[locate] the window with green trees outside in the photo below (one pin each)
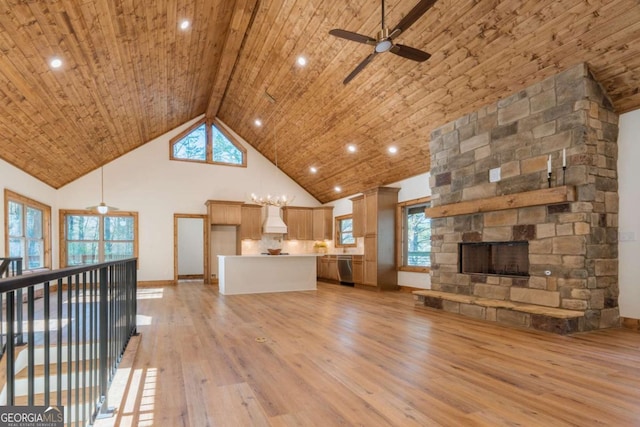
(207, 142)
(91, 238)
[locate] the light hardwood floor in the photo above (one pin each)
(343, 356)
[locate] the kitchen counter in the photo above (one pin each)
(272, 256)
(253, 274)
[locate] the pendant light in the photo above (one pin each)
(102, 208)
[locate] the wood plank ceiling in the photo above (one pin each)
(130, 75)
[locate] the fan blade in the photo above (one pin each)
(355, 37)
(410, 52)
(359, 68)
(411, 17)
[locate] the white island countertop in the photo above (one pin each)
(271, 256)
(253, 274)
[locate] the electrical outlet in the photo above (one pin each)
(494, 175)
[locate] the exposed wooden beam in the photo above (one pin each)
(242, 16)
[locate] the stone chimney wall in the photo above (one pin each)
(573, 245)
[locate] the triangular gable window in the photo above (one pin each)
(224, 150)
(192, 146)
(207, 143)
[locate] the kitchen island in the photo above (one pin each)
(255, 274)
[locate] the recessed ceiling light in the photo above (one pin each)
(302, 61)
(393, 149)
(257, 122)
(56, 63)
(337, 189)
(313, 169)
(351, 148)
(184, 24)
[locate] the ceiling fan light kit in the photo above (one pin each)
(385, 39)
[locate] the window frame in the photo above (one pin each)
(63, 230)
(11, 196)
(209, 143)
(338, 232)
(401, 234)
(184, 134)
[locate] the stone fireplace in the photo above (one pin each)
(568, 225)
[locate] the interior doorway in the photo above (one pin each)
(190, 254)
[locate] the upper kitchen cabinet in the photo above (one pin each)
(323, 223)
(251, 222)
(224, 212)
(358, 215)
(299, 222)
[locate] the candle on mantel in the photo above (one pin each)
(549, 164)
(564, 157)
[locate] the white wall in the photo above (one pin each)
(411, 188)
(147, 182)
(629, 220)
(19, 182)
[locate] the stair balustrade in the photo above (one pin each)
(9, 267)
(78, 322)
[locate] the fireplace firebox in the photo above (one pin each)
(497, 258)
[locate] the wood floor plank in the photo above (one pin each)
(344, 356)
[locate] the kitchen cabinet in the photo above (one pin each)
(379, 239)
(371, 213)
(251, 222)
(328, 267)
(299, 222)
(323, 223)
(358, 215)
(321, 268)
(357, 265)
(224, 212)
(370, 260)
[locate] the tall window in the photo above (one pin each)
(27, 231)
(415, 243)
(89, 238)
(344, 231)
(208, 143)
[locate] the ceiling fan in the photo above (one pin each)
(384, 40)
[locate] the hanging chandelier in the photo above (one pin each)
(269, 200)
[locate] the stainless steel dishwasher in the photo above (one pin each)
(345, 269)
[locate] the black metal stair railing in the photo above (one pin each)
(78, 323)
(9, 267)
